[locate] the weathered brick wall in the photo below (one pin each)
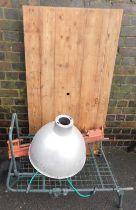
(121, 118)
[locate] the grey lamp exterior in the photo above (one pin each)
(103, 181)
(58, 149)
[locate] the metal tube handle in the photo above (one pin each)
(14, 122)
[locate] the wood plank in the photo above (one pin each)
(68, 61)
(32, 58)
(115, 19)
(94, 44)
(70, 56)
(47, 63)
(98, 52)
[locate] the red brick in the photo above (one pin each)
(130, 41)
(130, 124)
(130, 117)
(127, 51)
(120, 117)
(129, 110)
(132, 104)
(1, 35)
(126, 20)
(18, 66)
(11, 36)
(110, 117)
(22, 76)
(123, 136)
(8, 84)
(131, 61)
(127, 7)
(2, 75)
(3, 130)
(5, 123)
(126, 130)
(7, 101)
(19, 109)
(125, 70)
(20, 85)
(34, 2)
(5, 46)
(8, 93)
(133, 20)
(2, 56)
(117, 130)
(24, 130)
(20, 101)
(128, 31)
(11, 25)
(12, 75)
(1, 115)
(121, 42)
(107, 130)
(133, 131)
(18, 47)
(5, 3)
(5, 66)
(22, 116)
(23, 123)
(19, 3)
(11, 13)
(122, 103)
(13, 57)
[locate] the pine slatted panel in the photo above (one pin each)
(33, 65)
(70, 55)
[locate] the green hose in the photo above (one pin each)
(31, 180)
(69, 182)
(77, 192)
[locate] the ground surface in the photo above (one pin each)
(124, 167)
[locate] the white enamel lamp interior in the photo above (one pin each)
(58, 149)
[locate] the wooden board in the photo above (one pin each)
(70, 55)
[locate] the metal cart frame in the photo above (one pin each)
(96, 176)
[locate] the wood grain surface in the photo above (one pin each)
(70, 55)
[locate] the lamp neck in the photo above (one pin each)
(63, 125)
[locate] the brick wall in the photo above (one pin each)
(121, 118)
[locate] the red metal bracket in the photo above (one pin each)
(94, 135)
(18, 148)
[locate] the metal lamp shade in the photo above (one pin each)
(58, 149)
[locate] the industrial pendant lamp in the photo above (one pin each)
(58, 149)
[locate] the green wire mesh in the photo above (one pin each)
(95, 174)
